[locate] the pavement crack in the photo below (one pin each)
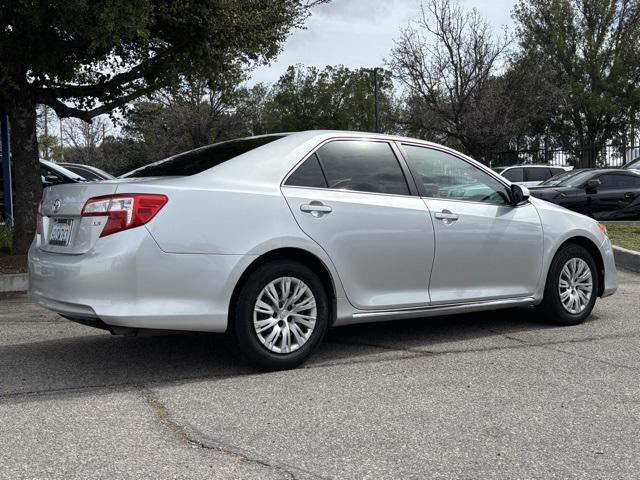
(186, 435)
(552, 346)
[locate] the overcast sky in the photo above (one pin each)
(360, 33)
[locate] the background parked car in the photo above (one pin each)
(51, 174)
(55, 174)
(530, 175)
(598, 193)
(88, 172)
(634, 165)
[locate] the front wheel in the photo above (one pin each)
(572, 287)
(281, 315)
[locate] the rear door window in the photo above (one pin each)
(537, 174)
(362, 166)
(309, 174)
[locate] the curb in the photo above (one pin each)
(627, 259)
(18, 282)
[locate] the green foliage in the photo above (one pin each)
(332, 98)
(589, 49)
(625, 235)
(101, 55)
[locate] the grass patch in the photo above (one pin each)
(625, 235)
(6, 238)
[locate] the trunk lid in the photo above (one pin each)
(64, 230)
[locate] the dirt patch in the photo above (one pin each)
(13, 264)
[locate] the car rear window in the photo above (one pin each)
(201, 159)
(537, 174)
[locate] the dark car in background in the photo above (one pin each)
(603, 194)
(633, 165)
(89, 173)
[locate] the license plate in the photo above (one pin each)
(60, 232)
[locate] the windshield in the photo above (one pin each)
(558, 179)
(498, 170)
(635, 165)
(201, 159)
(578, 178)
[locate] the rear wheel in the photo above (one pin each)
(281, 315)
(572, 286)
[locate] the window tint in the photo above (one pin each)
(309, 174)
(445, 176)
(201, 159)
(514, 175)
(537, 174)
(556, 170)
(84, 173)
(362, 166)
(612, 181)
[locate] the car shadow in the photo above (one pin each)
(94, 361)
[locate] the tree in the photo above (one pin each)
(332, 98)
(84, 137)
(448, 61)
(590, 52)
(85, 58)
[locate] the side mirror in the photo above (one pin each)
(592, 185)
(519, 194)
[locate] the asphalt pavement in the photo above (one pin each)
(478, 396)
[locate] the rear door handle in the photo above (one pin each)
(315, 208)
(629, 195)
(446, 215)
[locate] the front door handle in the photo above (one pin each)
(629, 195)
(446, 216)
(315, 208)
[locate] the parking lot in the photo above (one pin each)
(492, 395)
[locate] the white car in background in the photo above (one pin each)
(530, 175)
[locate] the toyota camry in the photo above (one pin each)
(274, 239)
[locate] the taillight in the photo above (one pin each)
(39, 219)
(124, 211)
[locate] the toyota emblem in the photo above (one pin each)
(56, 205)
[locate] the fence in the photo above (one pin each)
(611, 156)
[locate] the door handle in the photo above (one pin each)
(629, 195)
(315, 208)
(446, 215)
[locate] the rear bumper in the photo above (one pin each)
(125, 280)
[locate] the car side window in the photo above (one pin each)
(309, 174)
(613, 182)
(49, 177)
(536, 174)
(556, 171)
(442, 175)
(362, 166)
(514, 174)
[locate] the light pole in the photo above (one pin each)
(376, 95)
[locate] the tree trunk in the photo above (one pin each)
(26, 168)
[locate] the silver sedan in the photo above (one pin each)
(274, 239)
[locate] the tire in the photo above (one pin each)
(261, 349)
(552, 307)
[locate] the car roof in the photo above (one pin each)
(268, 164)
(61, 170)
